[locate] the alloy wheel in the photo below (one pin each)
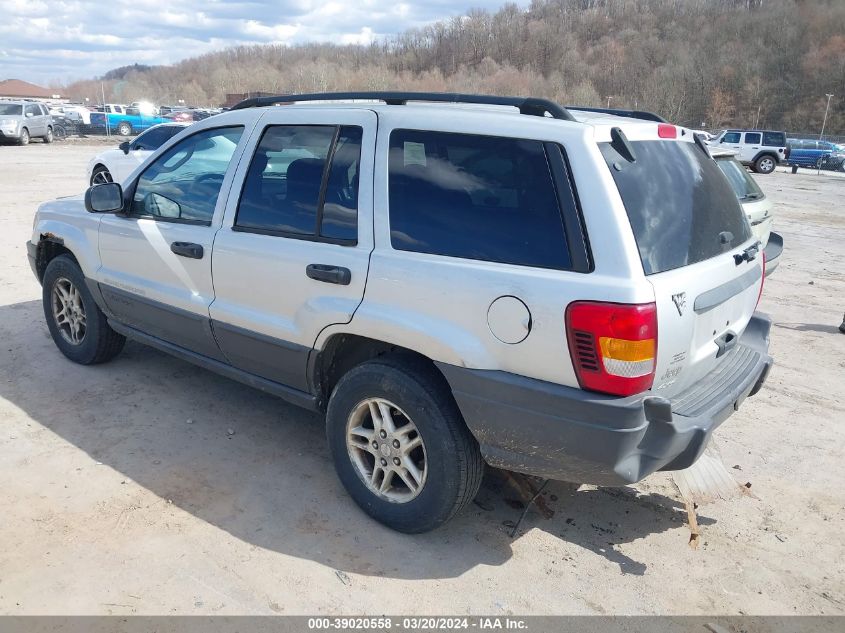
(387, 450)
(69, 311)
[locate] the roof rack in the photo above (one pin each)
(630, 114)
(527, 105)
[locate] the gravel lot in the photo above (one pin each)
(112, 503)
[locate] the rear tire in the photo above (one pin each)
(48, 137)
(124, 129)
(765, 164)
(447, 467)
(79, 328)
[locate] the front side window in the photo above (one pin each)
(475, 197)
(731, 137)
(33, 110)
(183, 183)
(303, 182)
(752, 138)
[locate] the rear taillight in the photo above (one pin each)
(665, 130)
(613, 345)
(762, 281)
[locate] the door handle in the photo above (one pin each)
(725, 343)
(330, 274)
(187, 249)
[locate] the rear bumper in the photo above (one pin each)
(568, 434)
(773, 251)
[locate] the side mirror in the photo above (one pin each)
(105, 198)
(124, 146)
(29, 115)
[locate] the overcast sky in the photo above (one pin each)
(46, 40)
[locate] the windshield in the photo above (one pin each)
(10, 109)
(745, 187)
(681, 208)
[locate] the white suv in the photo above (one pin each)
(564, 293)
(762, 150)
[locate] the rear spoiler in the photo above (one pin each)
(629, 114)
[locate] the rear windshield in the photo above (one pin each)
(10, 109)
(745, 187)
(681, 207)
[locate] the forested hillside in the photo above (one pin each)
(705, 63)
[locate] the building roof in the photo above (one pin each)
(18, 88)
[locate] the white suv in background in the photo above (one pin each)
(560, 292)
(762, 150)
(115, 165)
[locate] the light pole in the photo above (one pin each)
(608, 102)
(824, 121)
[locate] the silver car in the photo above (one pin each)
(21, 121)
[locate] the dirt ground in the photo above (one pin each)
(111, 502)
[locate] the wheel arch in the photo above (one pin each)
(53, 238)
(341, 352)
(48, 248)
(764, 152)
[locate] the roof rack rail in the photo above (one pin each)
(527, 105)
(630, 114)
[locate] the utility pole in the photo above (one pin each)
(608, 102)
(824, 121)
(757, 120)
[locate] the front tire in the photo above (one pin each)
(79, 328)
(100, 176)
(400, 445)
(23, 139)
(765, 164)
(124, 129)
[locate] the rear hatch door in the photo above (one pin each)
(697, 250)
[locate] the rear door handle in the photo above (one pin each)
(330, 274)
(187, 249)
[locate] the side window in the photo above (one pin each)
(155, 137)
(731, 137)
(752, 138)
(184, 182)
(303, 182)
(774, 139)
(475, 197)
(340, 207)
(33, 110)
(44, 110)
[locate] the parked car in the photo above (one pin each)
(762, 150)
(78, 114)
(115, 165)
(21, 121)
(564, 293)
(816, 154)
(759, 209)
(122, 120)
